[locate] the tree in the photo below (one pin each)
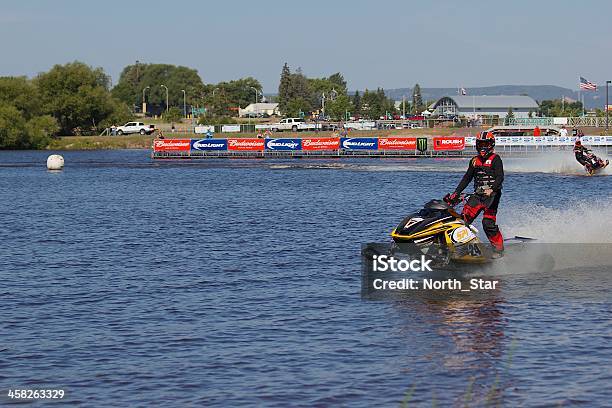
(296, 106)
(308, 91)
(300, 88)
(376, 104)
(12, 127)
(40, 129)
(338, 80)
(284, 88)
(130, 87)
(174, 114)
(22, 94)
(294, 92)
(357, 103)
(18, 133)
(509, 116)
(337, 108)
(224, 98)
(77, 96)
(560, 107)
(417, 99)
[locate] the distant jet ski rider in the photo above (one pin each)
(487, 171)
(581, 153)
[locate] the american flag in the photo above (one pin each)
(584, 84)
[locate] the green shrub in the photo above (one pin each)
(12, 127)
(17, 133)
(173, 114)
(40, 131)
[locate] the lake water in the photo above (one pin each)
(237, 282)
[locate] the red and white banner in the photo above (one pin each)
(448, 143)
(171, 145)
(245, 144)
(397, 143)
(321, 143)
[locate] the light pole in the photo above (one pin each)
(323, 104)
(607, 106)
(256, 92)
(213, 99)
(184, 103)
(166, 88)
(144, 103)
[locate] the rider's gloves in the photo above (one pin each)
(451, 198)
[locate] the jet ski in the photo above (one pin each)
(594, 164)
(439, 231)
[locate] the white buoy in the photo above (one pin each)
(55, 162)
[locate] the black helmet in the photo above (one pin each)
(485, 142)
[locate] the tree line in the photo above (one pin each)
(74, 99)
(68, 99)
(328, 97)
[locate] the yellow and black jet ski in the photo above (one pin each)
(439, 231)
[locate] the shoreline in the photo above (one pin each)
(146, 142)
(69, 143)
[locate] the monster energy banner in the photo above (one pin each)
(422, 144)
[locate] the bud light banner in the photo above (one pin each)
(321, 143)
(171, 145)
(245, 145)
(441, 143)
(283, 144)
(208, 144)
(397, 143)
(359, 143)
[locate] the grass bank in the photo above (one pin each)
(100, 142)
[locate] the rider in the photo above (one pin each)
(487, 170)
(581, 152)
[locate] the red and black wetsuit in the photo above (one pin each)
(581, 155)
(488, 173)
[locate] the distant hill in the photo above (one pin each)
(538, 92)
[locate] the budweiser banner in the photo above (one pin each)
(397, 143)
(321, 143)
(171, 145)
(245, 144)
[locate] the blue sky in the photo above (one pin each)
(391, 44)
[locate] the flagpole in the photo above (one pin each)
(580, 94)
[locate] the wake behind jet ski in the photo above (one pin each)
(592, 164)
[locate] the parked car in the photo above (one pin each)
(293, 124)
(135, 127)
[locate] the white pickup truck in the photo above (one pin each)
(135, 127)
(293, 124)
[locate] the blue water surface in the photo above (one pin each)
(128, 282)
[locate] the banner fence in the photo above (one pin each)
(391, 144)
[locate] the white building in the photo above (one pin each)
(258, 109)
(477, 105)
